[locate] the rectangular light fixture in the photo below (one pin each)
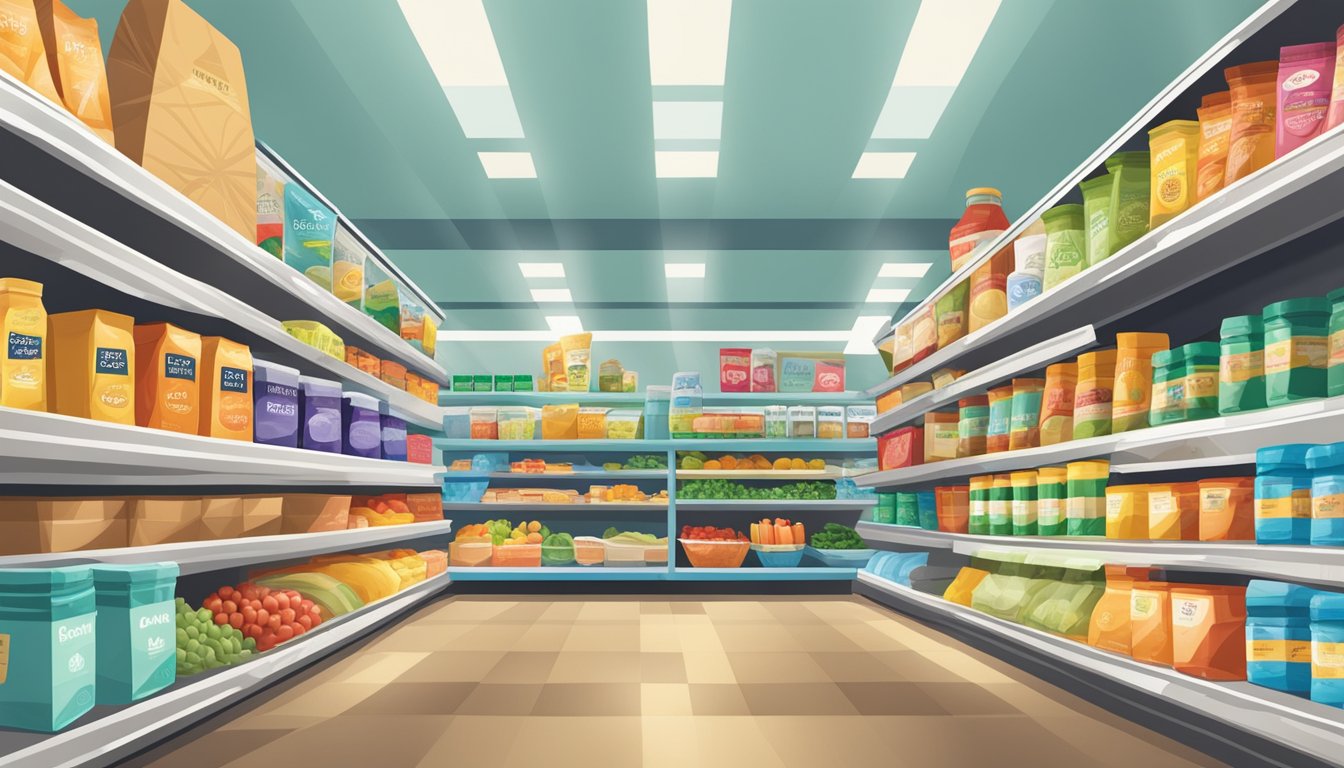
(541, 269)
(883, 165)
(670, 164)
(688, 41)
(563, 324)
(552, 296)
(887, 295)
(903, 269)
(687, 119)
(653, 336)
(684, 270)
(508, 165)
(861, 335)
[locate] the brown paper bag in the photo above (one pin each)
(179, 103)
(22, 53)
(75, 56)
(315, 512)
(262, 515)
(222, 517)
(164, 520)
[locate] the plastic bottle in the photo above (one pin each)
(1241, 364)
(1283, 495)
(982, 221)
(1093, 395)
(1134, 379)
(1335, 372)
(1024, 282)
(1296, 352)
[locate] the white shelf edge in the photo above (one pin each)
(782, 504)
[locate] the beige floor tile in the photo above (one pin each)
(376, 666)
(500, 699)
(699, 639)
(392, 741)
(757, 638)
(575, 742)
(453, 667)
(609, 612)
(862, 634)
(768, 667)
(543, 637)
(1111, 747)
(706, 741)
(476, 611)
(717, 699)
(831, 741)
(818, 638)
(421, 637)
(596, 667)
(326, 701)
(603, 637)
(489, 637)
(468, 740)
(968, 667)
(659, 637)
(855, 668)
(708, 667)
(665, 699)
(218, 748)
(522, 667)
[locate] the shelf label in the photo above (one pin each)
(111, 360)
(232, 379)
(1293, 651)
(179, 367)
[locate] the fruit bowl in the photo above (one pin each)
(841, 558)
(710, 553)
(778, 555)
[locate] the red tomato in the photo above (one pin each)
(287, 615)
(306, 621)
(274, 622)
(249, 615)
(236, 620)
(221, 619)
(270, 603)
(284, 632)
(263, 617)
(225, 592)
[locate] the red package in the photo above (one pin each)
(419, 449)
(734, 370)
(830, 377)
(902, 448)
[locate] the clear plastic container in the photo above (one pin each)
(516, 424)
(625, 424)
(778, 555)
(629, 555)
(777, 421)
(516, 556)
(589, 550)
(722, 424)
(657, 401)
(715, 554)
(802, 421)
(831, 422)
(484, 424)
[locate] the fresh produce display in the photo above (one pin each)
(778, 531)
(376, 511)
(499, 530)
(837, 536)
(475, 531)
(631, 537)
(645, 461)
(332, 597)
(204, 644)
(709, 547)
(524, 533)
(694, 460)
(269, 617)
(719, 488)
(596, 494)
(711, 533)
(557, 549)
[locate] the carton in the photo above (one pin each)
(167, 389)
(136, 629)
(734, 370)
(221, 517)
(313, 513)
(226, 391)
(23, 332)
(165, 520)
(47, 679)
(92, 365)
(263, 515)
(36, 525)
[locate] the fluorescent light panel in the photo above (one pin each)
(903, 269)
(883, 165)
(687, 119)
(668, 164)
(564, 324)
(861, 335)
(508, 165)
(688, 41)
(552, 295)
(684, 270)
(541, 269)
(658, 336)
(887, 295)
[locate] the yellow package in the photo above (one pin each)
(553, 369)
(226, 390)
(92, 360)
(959, 591)
(23, 324)
(167, 385)
(347, 265)
(22, 53)
(1127, 512)
(316, 335)
(560, 422)
(431, 336)
(592, 423)
(75, 56)
(1174, 148)
(578, 352)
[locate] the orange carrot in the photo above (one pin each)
(799, 536)
(784, 534)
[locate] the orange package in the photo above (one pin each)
(1109, 628)
(959, 591)
(393, 373)
(226, 396)
(1227, 509)
(1173, 512)
(1215, 126)
(1209, 631)
(1251, 140)
(22, 53)
(75, 56)
(92, 365)
(1150, 622)
(167, 388)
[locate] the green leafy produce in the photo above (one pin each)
(837, 536)
(720, 488)
(691, 462)
(612, 466)
(499, 530)
(633, 537)
(557, 549)
(607, 534)
(202, 644)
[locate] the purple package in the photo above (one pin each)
(275, 401)
(394, 435)
(362, 431)
(320, 409)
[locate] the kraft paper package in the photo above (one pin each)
(32, 525)
(22, 53)
(75, 58)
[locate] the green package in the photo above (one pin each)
(1001, 507)
(1065, 244)
(48, 617)
(462, 382)
(907, 509)
(1065, 608)
(137, 646)
(1097, 217)
(949, 313)
(503, 383)
(483, 382)
(1241, 357)
(885, 511)
(522, 382)
(1128, 219)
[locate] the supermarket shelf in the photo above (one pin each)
(545, 477)
(47, 233)
(650, 573)
(1317, 565)
(799, 505)
(1246, 724)
(1031, 359)
(829, 473)
(450, 506)
(636, 399)
(205, 556)
(1224, 441)
(51, 449)
(49, 143)
(764, 574)
(759, 445)
(111, 734)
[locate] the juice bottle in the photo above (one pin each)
(167, 391)
(23, 321)
(982, 221)
(226, 397)
(92, 360)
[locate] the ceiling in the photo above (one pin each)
(343, 90)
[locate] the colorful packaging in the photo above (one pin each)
(734, 370)
(577, 348)
(361, 428)
(1283, 495)
(167, 390)
(1024, 502)
(989, 290)
(22, 53)
(902, 348)
(1061, 380)
(1168, 398)
(226, 389)
(92, 365)
(1251, 140)
(1278, 636)
(858, 421)
(1208, 631)
(382, 302)
(347, 263)
(942, 435)
(1201, 380)
(135, 630)
(1305, 82)
(1024, 429)
(1127, 220)
(1134, 379)
(1335, 366)
(23, 323)
(1093, 395)
(953, 508)
(1150, 621)
(1086, 507)
(1227, 509)
(963, 586)
(1241, 359)
(1109, 628)
(907, 509)
(394, 373)
(763, 362)
(1065, 244)
(950, 311)
(1173, 512)
(1326, 463)
(49, 625)
(1001, 506)
(1335, 116)
(271, 183)
(310, 229)
(923, 333)
(1327, 649)
(1000, 419)
(609, 375)
(1127, 512)
(1215, 131)
(1174, 148)
(275, 404)
(1025, 281)
(1052, 493)
(320, 409)
(1097, 217)
(1297, 352)
(972, 425)
(982, 221)
(76, 58)
(926, 506)
(977, 521)
(412, 326)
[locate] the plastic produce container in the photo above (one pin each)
(516, 556)
(484, 423)
(715, 554)
(841, 558)
(135, 629)
(515, 424)
(778, 555)
(470, 551)
(49, 618)
(275, 405)
(589, 550)
(361, 428)
(628, 555)
(320, 411)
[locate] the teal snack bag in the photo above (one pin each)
(137, 644)
(47, 646)
(310, 229)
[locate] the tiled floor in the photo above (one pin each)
(684, 683)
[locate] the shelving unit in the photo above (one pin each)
(602, 573)
(636, 399)
(808, 446)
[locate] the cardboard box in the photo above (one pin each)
(164, 520)
(37, 525)
(426, 507)
(314, 512)
(262, 515)
(221, 517)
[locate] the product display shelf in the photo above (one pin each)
(636, 399)
(111, 734)
(857, 447)
(781, 506)
(51, 449)
(1219, 54)
(650, 573)
(1220, 442)
(48, 149)
(548, 477)
(204, 556)
(1240, 723)
(976, 382)
(60, 241)
(829, 473)
(559, 509)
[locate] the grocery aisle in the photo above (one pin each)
(594, 681)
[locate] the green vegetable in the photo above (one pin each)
(612, 466)
(837, 536)
(499, 530)
(557, 549)
(607, 534)
(691, 462)
(203, 645)
(719, 488)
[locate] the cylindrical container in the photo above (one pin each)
(1326, 464)
(1150, 622)
(1024, 425)
(1025, 281)
(1296, 349)
(48, 617)
(1173, 512)
(1052, 492)
(1000, 419)
(953, 508)
(361, 430)
(1327, 649)
(1334, 378)
(1227, 509)
(1061, 380)
(1208, 631)
(1127, 512)
(392, 432)
(1086, 507)
(1097, 215)
(658, 403)
(907, 509)
(1134, 379)
(978, 497)
(982, 221)
(1001, 506)
(1241, 376)
(926, 506)
(1024, 503)
(972, 425)
(320, 409)
(1168, 398)
(1278, 636)
(1201, 380)
(1283, 495)
(1093, 395)
(136, 630)
(1065, 244)
(275, 404)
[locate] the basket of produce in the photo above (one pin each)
(778, 543)
(839, 546)
(710, 547)
(589, 550)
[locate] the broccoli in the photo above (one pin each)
(836, 536)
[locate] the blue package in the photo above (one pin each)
(1278, 635)
(1282, 495)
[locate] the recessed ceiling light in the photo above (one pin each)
(564, 323)
(551, 295)
(654, 336)
(541, 269)
(508, 165)
(687, 119)
(688, 41)
(883, 165)
(668, 164)
(903, 269)
(887, 295)
(684, 270)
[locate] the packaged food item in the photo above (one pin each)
(1305, 82)
(989, 290)
(885, 510)
(945, 376)
(623, 424)
(479, 383)
(1065, 244)
(320, 409)
(1251, 140)
(941, 435)
(1208, 631)
(167, 393)
(1227, 509)
(658, 399)
(560, 422)
(135, 630)
(1173, 512)
(1296, 349)
(972, 425)
(831, 422)
(92, 360)
(1134, 379)
(484, 423)
(1109, 627)
(953, 508)
(977, 521)
(687, 402)
(1335, 115)
(420, 449)
(1024, 430)
(1024, 502)
(1150, 621)
(1127, 220)
(903, 447)
(926, 506)
(1334, 380)
(1052, 493)
(382, 302)
(734, 370)
(1168, 398)
(763, 362)
(271, 183)
(1326, 463)
(394, 373)
(577, 348)
(610, 376)
(802, 421)
(1127, 512)
(858, 420)
(1086, 507)
(412, 326)
(1061, 380)
(522, 382)
(1092, 398)
(982, 221)
(591, 423)
(75, 57)
(164, 520)
(1201, 380)
(1215, 131)
(317, 336)
(1283, 495)
(963, 586)
(22, 52)
(923, 333)
(950, 309)
(1025, 281)
(226, 391)
(1174, 148)
(347, 263)
(1327, 649)
(47, 524)
(361, 429)
(1096, 217)
(1001, 506)
(1000, 419)
(1278, 636)
(23, 321)
(392, 433)
(310, 228)
(907, 509)
(49, 615)
(902, 350)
